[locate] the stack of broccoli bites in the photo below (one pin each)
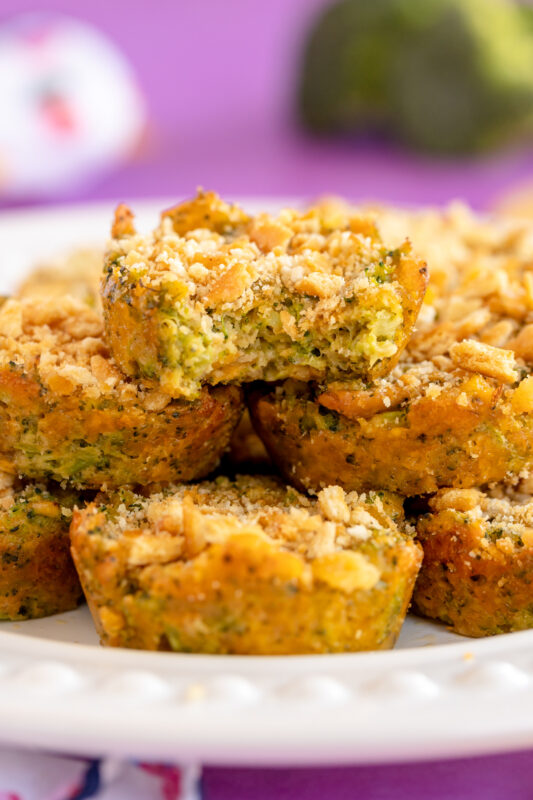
(72, 424)
(310, 317)
(211, 301)
(456, 413)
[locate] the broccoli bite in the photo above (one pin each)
(477, 573)
(247, 566)
(68, 414)
(216, 296)
(37, 576)
(463, 423)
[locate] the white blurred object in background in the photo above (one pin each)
(69, 105)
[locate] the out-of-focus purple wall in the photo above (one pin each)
(201, 63)
(219, 78)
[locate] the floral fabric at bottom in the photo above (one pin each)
(38, 776)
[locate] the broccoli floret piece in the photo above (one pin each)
(450, 76)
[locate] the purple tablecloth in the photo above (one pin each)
(507, 777)
(219, 79)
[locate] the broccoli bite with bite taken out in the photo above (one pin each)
(214, 295)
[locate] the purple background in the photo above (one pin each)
(219, 79)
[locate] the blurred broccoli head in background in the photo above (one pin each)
(449, 76)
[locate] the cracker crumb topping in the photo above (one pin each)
(501, 517)
(60, 342)
(182, 521)
(492, 362)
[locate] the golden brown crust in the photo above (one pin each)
(487, 294)
(246, 567)
(478, 562)
(475, 257)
